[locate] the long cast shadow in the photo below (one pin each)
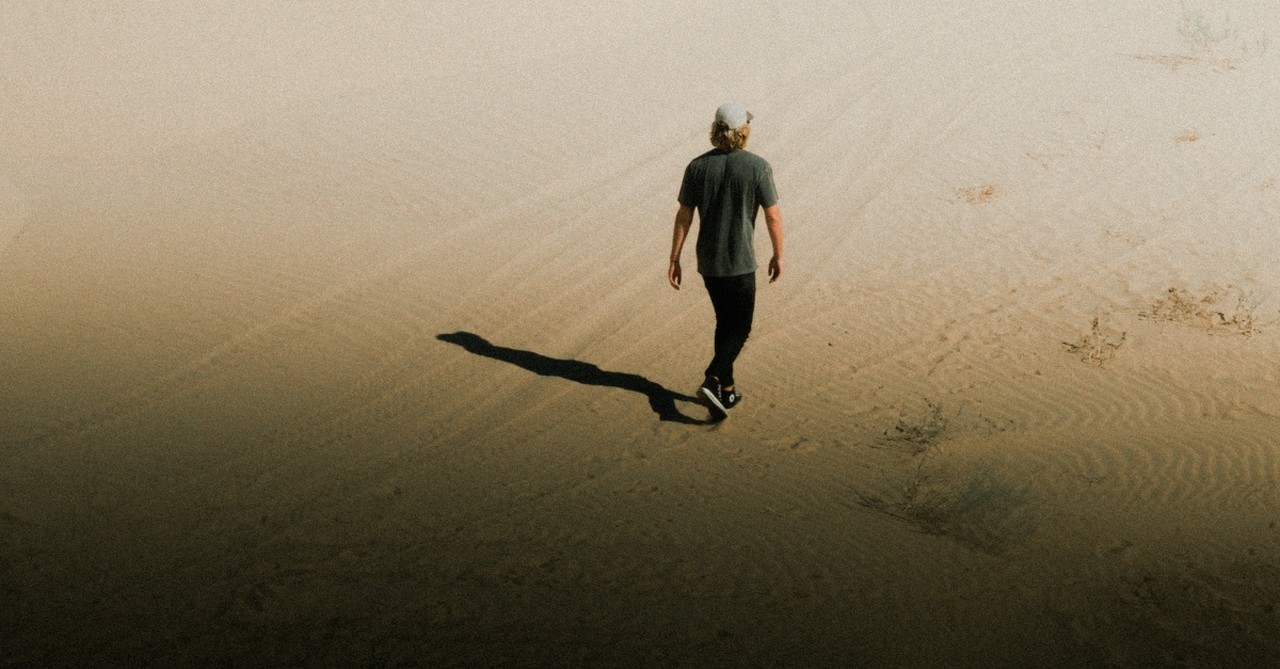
(661, 400)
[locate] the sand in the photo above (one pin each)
(337, 334)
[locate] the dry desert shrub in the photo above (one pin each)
(971, 505)
(1205, 33)
(918, 437)
(1215, 30)
(1097, 346)
(1212, 311)
(1213, 38)
(984, 511)
(922, 432)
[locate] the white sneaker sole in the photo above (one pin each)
(713, 403)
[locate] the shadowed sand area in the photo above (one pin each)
(661, 400)
(336, 334)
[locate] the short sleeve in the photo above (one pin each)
(689, 188)
(766, 191)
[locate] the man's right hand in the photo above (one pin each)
(674, 275)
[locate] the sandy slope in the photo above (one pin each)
(338, 336)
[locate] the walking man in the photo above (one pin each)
(726, 186)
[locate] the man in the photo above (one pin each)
(726, 186)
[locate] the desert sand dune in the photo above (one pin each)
(337, 336)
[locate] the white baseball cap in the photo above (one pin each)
(733, 115)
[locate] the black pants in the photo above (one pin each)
(734, 300)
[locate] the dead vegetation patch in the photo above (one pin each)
(1214, 38)
(973, 506)
(920, 433)
(1230, 310)
(1097, 346)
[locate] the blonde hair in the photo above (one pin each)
(730, 140)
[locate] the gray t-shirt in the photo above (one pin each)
(727, 188)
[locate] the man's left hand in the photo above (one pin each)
(674, 275)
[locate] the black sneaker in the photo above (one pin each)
(730, 399)
(710, 391)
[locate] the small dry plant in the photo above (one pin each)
(922, 432)
(1213, 39)
(1212, 312)
(917, 437)
(975, 508)
(1205, 33)
(1096, 347)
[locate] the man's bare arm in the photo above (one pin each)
(684, 219)
(773, 220)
